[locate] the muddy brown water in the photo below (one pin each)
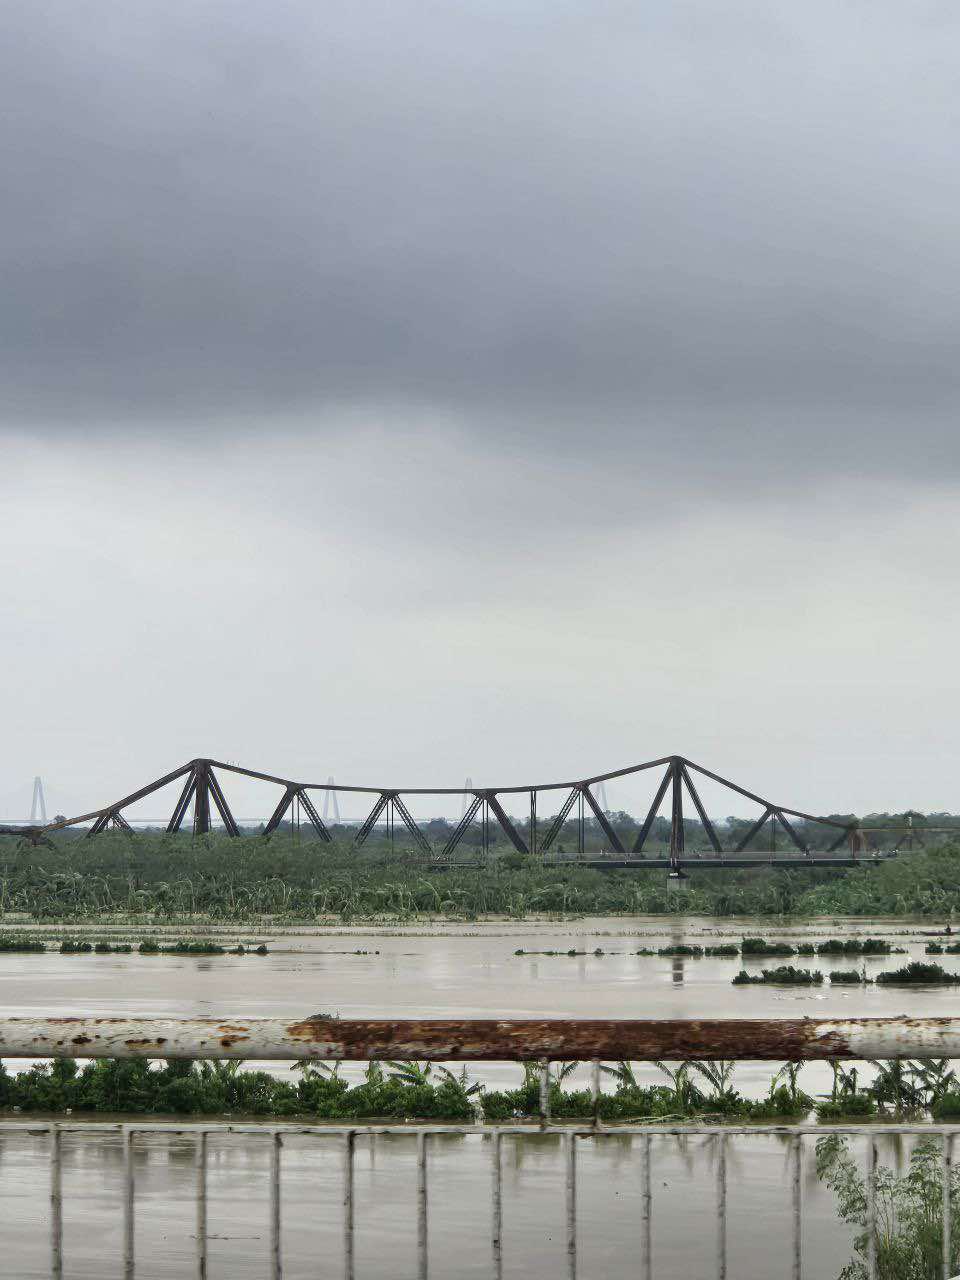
(445, 970)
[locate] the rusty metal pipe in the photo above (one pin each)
(441, 1039)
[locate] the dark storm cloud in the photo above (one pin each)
(701, 227)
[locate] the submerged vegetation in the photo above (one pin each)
(919, 972)
(760, 947)
(915, 972)
(854, 947)
(849, 976)
(149, 947)
(723, 950)
(784, 974)
(197, 947)
(80, 946)
(832, 947)
(161, 877)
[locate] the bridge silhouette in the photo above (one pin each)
(201, 800)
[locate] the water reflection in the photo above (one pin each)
(608, 1205)
(677, 934)
(471, 971)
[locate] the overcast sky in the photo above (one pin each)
(402, 391)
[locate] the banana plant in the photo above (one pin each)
(844, 1082)
(460, 1081)
(896, 1084)
(318, 1070)
(718, 1072)
(685, 1092)
(558, 1071)
(411, 1072)
(624, 1075)
(787, 1076)
(934, 1077)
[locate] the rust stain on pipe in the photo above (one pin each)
(443, 1039)
(574, 1040)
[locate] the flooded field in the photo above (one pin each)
(446, 970)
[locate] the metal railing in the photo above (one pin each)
(322, 1037)
(325, 1037)
(636, 1234)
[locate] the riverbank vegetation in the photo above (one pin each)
(166, 878)
(426, 1091)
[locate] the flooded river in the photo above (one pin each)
(445, 970)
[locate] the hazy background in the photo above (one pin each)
(406, 391)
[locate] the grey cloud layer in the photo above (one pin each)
(727, 229)
(412, 388)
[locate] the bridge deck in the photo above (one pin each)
(709, 862)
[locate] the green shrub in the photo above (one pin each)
(947, 1107)
(759, 947)
(429, 1092)
(783, 974)
(13, 942)
(743, 978)
(183, 947)
(854, 947)
(854, 1107)
(780, 1103)
(191, 948)
(918, 972)
(908, 1236)
(849, 976)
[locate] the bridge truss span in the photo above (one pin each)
(201, 804)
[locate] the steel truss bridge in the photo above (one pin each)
(201, 796)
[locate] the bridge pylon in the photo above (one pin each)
(38, 806)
